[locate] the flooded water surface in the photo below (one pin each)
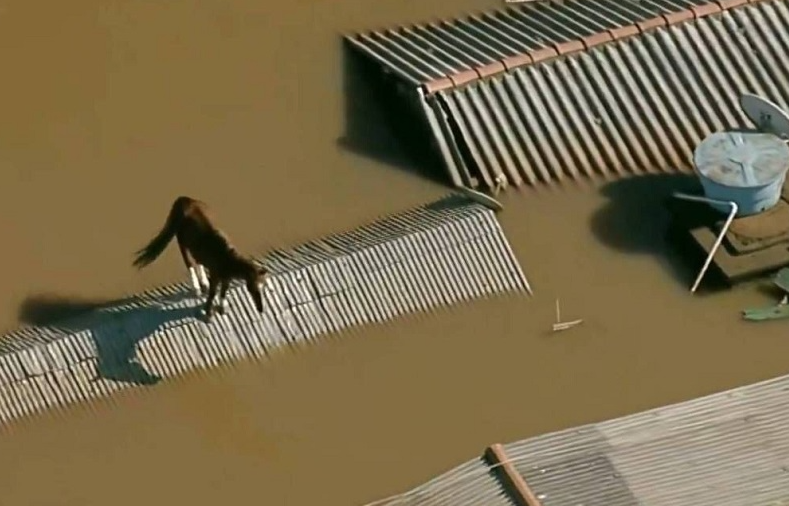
(112, 109)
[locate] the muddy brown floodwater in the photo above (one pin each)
(111, 109)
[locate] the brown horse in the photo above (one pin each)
(202, 244)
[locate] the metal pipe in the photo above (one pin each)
(719, 240)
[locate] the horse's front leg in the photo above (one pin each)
(195, 282)
(209, 303)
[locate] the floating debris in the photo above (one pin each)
(560, 325)
(565, 325)
(778, 311)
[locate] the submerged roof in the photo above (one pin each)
(478, 45)
(439, 254)
(726, 449)
(633, 105)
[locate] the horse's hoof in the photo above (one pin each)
(221, 310)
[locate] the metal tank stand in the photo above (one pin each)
(732, 213)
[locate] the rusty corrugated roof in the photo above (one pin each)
(726, 449)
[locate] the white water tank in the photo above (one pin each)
(748, 168)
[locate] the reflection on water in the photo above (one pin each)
(242, 104)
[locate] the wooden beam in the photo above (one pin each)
(514, 483)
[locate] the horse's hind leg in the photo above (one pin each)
(225, 284)
(192, 266)
(203, 276)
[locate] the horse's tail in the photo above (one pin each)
(157, 245)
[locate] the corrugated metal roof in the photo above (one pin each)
(726, 449)
(442, 253)
(471, 483)
(633, 106)
(477, 45)
(546, 90)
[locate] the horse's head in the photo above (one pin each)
(254, 278)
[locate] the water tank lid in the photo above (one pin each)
(742, 159)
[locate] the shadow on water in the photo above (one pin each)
(116, 327)
(380, 123)
(769, 290)
(635, 219)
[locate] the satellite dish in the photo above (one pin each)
(767, 116)
(481, 198)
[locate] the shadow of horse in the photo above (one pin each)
(116, 327)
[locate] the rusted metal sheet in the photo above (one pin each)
(457, 51)
(634, 106)
(443, 253)
(726, 449)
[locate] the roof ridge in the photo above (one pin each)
(555, 50)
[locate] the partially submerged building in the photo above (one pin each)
(541, 92)
(725, 449)
(545, 91)
(439, 254)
